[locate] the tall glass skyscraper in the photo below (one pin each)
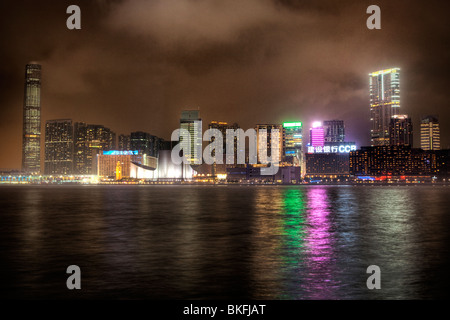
(31, 138)
(190, 120)
(384, 103)
(145, 142)
(293, 142)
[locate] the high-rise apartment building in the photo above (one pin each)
(384, 88)
(31, 138)
(58, 147)
(401, 131)
(334, 131)
(430, 138)
(190, 120)
(89, 140)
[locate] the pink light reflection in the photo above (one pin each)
(320, 244)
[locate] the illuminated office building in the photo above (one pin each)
(190, 121)
(89, 141)
(384, 88)
(334, 131)
(317, 135)
(267, 143)
(429, 133)
(31, 138)
(401, 131)
(58, 147)
(293, 142)
(223, 127)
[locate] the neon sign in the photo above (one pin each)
(332, 149)
(120, 153)
(292, 124)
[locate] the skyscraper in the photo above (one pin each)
(124, 142)
(293, 142)
(384, 103)
(401, 131)
(334, 131)
(430, 138)
(190, 121)
(146, 143)
(58, 147)
(31, 143)
(267, 129)
(223, 127)
(316, 135)
(89, 140)
(142, 141)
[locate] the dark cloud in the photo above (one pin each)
(136, 64)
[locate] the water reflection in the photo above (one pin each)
(296, 260)
(186, 242)
(391, 239)
(293, 218)
(322, 282)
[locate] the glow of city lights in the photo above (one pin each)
(120, 153)
(332, 149)
(292, 124)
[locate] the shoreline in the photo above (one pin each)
(363, 184)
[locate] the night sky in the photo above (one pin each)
(135, 64)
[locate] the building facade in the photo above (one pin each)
(145, 142)
(89, 141)
(31, 137)
(430, 137)
(58, 147)
(391, 161)
(317, 135)
(124, 142)
(227, 160)
(334, 131)
(327, 165)
(190, 120)
(293, 143)
(384, 87)
(127, 162)
(266, 144)
(401, 131)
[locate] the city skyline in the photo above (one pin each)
(65, 143)
(241, 73)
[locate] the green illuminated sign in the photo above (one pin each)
(292, 124)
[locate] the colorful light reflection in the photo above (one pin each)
(320, 245)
